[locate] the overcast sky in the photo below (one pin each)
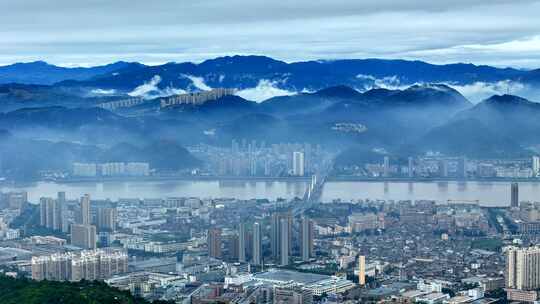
(90, 32)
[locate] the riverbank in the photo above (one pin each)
(342, 178)
(194, 178)
(190, 178)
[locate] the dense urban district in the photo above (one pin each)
(259, 160)
(193, 250)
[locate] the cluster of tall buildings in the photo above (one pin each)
(111, 169)
(281, 237)
(51, 212)
(256, 158)
(434, 165)
(249, 242)
(188, 98)
(83, 226)
(488, 170)
(123, 103)
(87, 264)
(196, 98)
(421, 167)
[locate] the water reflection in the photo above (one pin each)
(442, 186)
(488, 193)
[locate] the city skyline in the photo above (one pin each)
(247, 151)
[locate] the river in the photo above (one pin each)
(488, 193)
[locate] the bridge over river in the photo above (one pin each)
(314, 191)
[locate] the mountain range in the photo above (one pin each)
(336, 115)
(247, 71)
(404, 107)
(40, 72)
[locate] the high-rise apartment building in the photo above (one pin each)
(230, 244)
(536, 165)
(362, 270)
(84, 217)
(56, 267)
(306, 233)
(298, 164)
(257, 244)
(386, 166)
(43, 211)
(112, 263)
(443, 168)
(523, 268)
(514, 195)
(83, 236)
(50, 212)
(88, 265)
(63, 209)
(462, 167)
(285, 234)
(410, 167)
(46, 216)
(106, 219)
(276, 233)
(214, 243)
(242, 243)
(61, 198)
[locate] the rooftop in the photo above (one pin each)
(291, 276)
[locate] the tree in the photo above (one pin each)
(449, 292)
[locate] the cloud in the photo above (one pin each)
(475, 92)
(307, 91)
(479, 91)
(264, 90)
(169, 91)
(147, 87)
(103, 92)
(194, 30)
(150, 89)
(198, 82)
(389, 82)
